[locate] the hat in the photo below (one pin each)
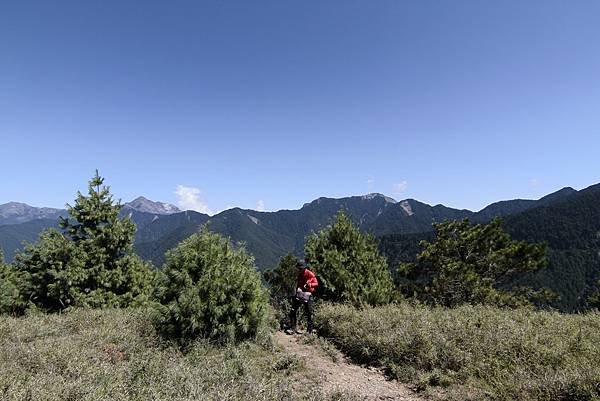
(300, 264)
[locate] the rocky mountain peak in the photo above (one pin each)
(16, 212)
(145, 205)
(375, 195)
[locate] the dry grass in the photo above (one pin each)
(474, 352)
(470, 352)
(117, 355)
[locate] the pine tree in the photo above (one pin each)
(282, 279)
(348, 264)
(94, 223)
(116, 276)
(91, 263)
(210, 289)
(282, 285)
(472, 264)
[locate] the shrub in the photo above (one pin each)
(348, 264)
(594, 299)
(11, 284)
(53, 270)
(210, 289)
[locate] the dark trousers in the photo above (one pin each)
(308, 310)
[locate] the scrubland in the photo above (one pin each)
(474, 353)
(116, 354)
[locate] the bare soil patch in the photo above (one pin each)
(335, 374)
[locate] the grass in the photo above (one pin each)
(470, 353)
(474, 353)
(117, 355)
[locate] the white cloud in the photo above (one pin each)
(188, 198)
(260, 206)
(400, 187)
(370, 183)
(535, 183)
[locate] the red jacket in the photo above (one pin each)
(305, 276)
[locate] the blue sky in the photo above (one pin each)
(213, 104)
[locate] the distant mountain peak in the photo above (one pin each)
(375, 195)
(367, 197)
(17, 212)
(145, 205)
(15, 207)
(558, 195)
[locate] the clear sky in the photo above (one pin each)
(275, 103)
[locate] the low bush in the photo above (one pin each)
(475, 352)
(210, 289)
(11, 283)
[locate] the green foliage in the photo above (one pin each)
(594, 299)
(475, 353)
(95, 226)
(282, 279)
(209, 289)
(53, 271)
(402, 248)
(92, 264)
(11, 301)
(471, 264)
(282, 285)
(348, 264)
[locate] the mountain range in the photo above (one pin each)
(568, 220)
(268, 235)
(15, 213)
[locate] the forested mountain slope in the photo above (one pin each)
(568, 221)
(571, 228)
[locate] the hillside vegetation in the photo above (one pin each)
(474, 353)
(571, 228)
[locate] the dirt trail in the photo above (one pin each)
(366, 383)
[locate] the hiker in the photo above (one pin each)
(306, 286)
